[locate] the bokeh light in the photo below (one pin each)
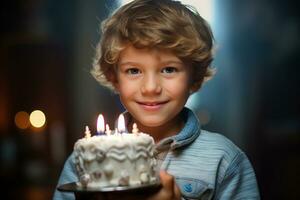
(22, 120)
(37, 119)
(204, 116)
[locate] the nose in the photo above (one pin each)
(151, 85)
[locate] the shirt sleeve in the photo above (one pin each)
(67, 175)
(239, 181)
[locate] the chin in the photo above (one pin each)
(151, 123)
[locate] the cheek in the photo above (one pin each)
(126, 88)
(179, 87)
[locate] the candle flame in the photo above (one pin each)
(100, 124)
(121, 124)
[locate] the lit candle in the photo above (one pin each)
(135, 129)
(116, 131)
(121, 124)
(100, 125)
(107, 130)
(87, 132)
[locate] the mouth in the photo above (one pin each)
(151, 106)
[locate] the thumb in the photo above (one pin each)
(168, 183)
(167, 180)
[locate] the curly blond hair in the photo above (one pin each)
(163, 24)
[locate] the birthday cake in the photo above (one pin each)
(121, 159)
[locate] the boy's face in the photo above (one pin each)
(153, 85)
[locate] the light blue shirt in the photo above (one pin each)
(205, 165)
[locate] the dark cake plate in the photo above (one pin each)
(73, 187)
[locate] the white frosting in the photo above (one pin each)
(115, 160)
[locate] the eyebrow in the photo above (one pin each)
(129, 63)
(172, 62)
(167, 62)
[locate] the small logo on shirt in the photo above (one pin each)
(188, 187)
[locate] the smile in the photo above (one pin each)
(152, 106)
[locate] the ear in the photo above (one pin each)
(111, 77)
(195, 82)
(116, 86)
(195, 86)
(115, 83)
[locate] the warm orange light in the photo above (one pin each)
(37, 119)
(22, 120)
(100, 124)
(121, 123)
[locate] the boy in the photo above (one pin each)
(155, 54)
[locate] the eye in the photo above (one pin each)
(133, 71)
(169, 70)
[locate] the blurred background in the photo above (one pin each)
(47, 94)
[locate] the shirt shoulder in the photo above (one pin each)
(212, 165)
(210, 153)
(216, 144)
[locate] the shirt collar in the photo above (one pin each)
(188, 134)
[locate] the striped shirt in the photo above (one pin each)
(205, 165)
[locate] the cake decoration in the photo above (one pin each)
(117, 158)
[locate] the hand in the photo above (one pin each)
(169, 189)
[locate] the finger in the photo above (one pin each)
(170, 185)
(167, 181)
(177, 192)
